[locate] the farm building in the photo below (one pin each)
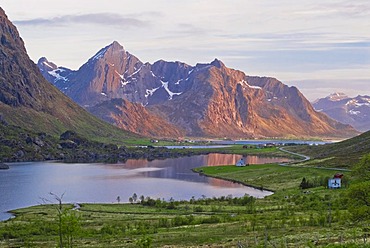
(241, 162)
(335, 182)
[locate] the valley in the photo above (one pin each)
(83, 156)
(291, 217)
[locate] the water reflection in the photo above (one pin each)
(24, 183)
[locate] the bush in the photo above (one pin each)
(305, 184)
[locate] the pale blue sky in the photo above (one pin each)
(320, 46)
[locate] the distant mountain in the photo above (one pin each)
(29, 101)
(354, 111)
(205, 100)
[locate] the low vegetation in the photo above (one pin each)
(339, 155)
(291, 217)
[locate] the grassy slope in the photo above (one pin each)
(270, 176)
(342, 154)
(77, 120)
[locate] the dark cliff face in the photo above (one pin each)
(18, 75)
(208, 100)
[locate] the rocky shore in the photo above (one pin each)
(4, 166)
(70, 147)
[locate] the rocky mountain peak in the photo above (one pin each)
(218, 63)
(45, 65)
(116, 46)
(115, 49)
(2, 12)
(337, 96)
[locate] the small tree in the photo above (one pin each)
(68, 223)
(60, 217)
(134, 197)
(70, 227)
(305, 184)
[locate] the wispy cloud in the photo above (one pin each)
(105, 19)
(344, 8)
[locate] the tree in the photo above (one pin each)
(358, 198)
(70, 227)
(60, 214)
(118, 199)
(134, 197)
(305, 184)
(361, 170)
(68, 223)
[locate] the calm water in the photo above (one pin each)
(261, 142)
(24, 184)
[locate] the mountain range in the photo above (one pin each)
(354, 111)
(167, 99)
(29, 101)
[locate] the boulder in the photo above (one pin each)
(38, 142)
(4, 166)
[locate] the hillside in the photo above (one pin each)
(342, 154)
(135, 118)
(28, 100)
(205, 100)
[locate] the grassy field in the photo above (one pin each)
(291, 217)
(269, 176)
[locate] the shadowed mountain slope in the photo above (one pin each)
(28, 100)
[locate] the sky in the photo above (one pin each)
(319, 46)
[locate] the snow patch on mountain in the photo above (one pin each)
(353, 112)
(170, 93)
(153, 74)
(48, 65)
(245, 83)
(135, 72)
(56, 74)
(150, 92)
(337, 96)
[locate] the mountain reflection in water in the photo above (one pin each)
(25, 183)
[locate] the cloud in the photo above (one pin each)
(105, 19)
(189, 29)
(344, 8)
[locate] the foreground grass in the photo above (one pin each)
(269, 176)
(289, 218)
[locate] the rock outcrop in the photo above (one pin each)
(4, 166)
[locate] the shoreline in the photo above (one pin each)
(236, 181)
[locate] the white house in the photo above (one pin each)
(334, 183)
(241, 162)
